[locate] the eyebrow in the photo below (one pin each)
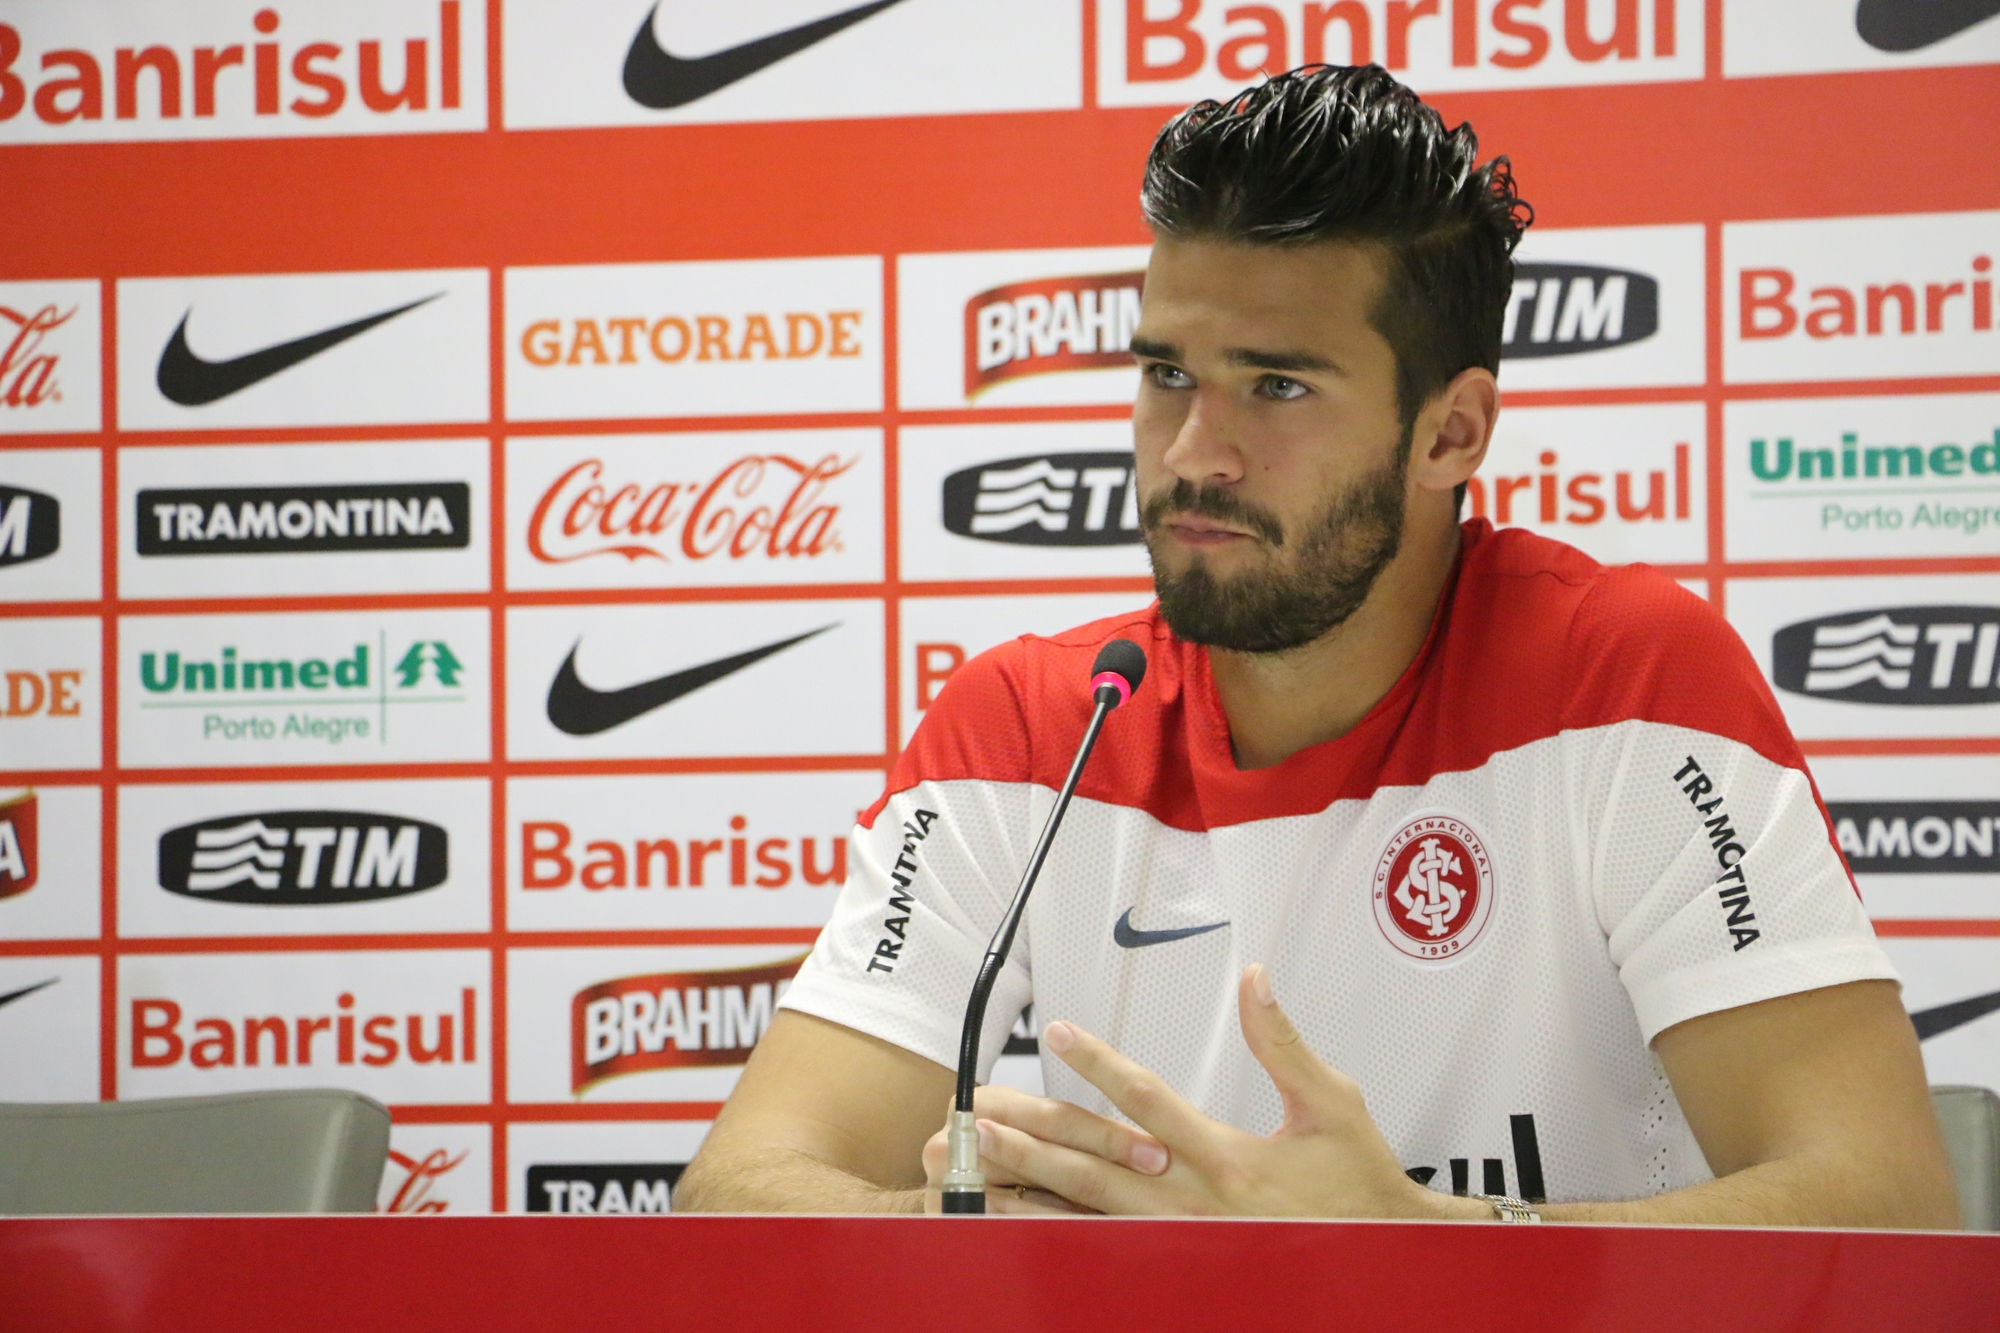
(1253, 358)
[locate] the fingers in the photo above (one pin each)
(1071, 1126)
(1005, 1192)
(1082, 1178)
(1134, 1089)
(1306, 1084)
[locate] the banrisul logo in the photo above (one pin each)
(1852, 469)
(1563, 309)
(264, 519)
(262, 696)
(1917, 837)
(1046, 500)
(303, 858)
(1926, 655)
(30, 525)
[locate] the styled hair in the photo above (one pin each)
(1346, 153)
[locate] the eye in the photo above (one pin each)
(1165, 376)
(1282, 389)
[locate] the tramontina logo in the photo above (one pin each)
(1904, 655)
(603, 1187)
(1917, 837)
(257, 520)
(1046, 500)
(303, 858)
(30, 525)
(1560, 309)
(423, 671)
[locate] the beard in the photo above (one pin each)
(1337, 559)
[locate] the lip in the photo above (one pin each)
(1203, 532)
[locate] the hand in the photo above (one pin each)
(1044, 1117)
(1326, 1160)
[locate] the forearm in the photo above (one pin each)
(783, 1180)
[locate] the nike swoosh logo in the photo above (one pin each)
(1127, 936)
(578, 710)
(187, 379)
(28, 990)
(1944, 1017)
(1911, 25)
(658, 79)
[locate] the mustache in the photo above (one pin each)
(1215, 502)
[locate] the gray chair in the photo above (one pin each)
(1970, 1118)
(249, 1152)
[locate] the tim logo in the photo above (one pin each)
(672, 1020)
(1924, 655)
(303, 858)
(259, 520)
(27, 373)
(19, 845)
(30, 525)
(1563, 309)
(1049, 325)
(603, 1187)
(1046, 500)
(1433, 888)
(1916, 837)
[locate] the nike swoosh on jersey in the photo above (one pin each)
(27, 990)
(1944, 1017)
(1911, 25)
(658, 79)
(191, 381)
(577, 710)
(1127, 936)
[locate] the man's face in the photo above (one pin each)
(1271, 454)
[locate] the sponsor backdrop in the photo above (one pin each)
(463, 568)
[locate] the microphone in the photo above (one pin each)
(1119, 668)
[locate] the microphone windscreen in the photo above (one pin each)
(1122, 657)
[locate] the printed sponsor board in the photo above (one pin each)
(1870, 298)
(1041, 500)
(404, 1027)
(1619, 483)
(50, 885)
(1605, 307)
(436, 1170)
(250, 521)
(639, 63)
(680, 852)
(1810, 37)
(941, 634)
(1895, 655)
(746, 337)
(1952, 989)
(1863, 478)
(50, 350)
(240, 69)
(337, 687)
(695, 679)
(318, 858)
(1173, 52)
(1917, 831)
(302, 349)
(558, 1167)
(51, 505)
(49, 1028)
(50, 710)
(702, 509)
(1012, 328)
(638, 1024)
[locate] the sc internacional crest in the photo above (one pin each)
(1433, 887)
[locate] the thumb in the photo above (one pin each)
(1305, 1083)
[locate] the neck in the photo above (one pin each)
(1279, 703)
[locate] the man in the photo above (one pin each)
(1522, 842)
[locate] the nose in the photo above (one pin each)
(1204, 452)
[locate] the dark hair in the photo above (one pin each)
(1339, 153)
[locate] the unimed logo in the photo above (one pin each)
(1840, 473)
(165, 1035)
(255, 520)
(1564, 309)
(310, 858)
(1917, 837)
(1046, 500)
(1049, 325)
(20, 845)
(672, 1020)
(1926, 655)
(756, 507)
(30, 525)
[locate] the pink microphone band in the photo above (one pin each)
(1115, 680)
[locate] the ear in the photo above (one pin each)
(1453, 430)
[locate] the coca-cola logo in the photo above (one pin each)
(419, 1180)
(760, 506)
(27, 373)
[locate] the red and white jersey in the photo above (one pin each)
(1576, 820)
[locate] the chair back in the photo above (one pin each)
(1970, 1118)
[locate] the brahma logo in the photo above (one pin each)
(1903, 655)
(1050, 325)
(204, 72)
(1916, 837)
(257, 520)
(30, 525)
(1048, 500)
(608, 1188)
(303, 858)
(1433, 888)
(20, 845)
(672, 1020)
(1564, 309)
